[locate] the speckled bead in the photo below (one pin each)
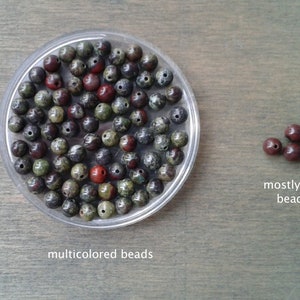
(70, 207)
(61, 97)
(120, 105)
(103, 47)
(35, 184)
(53, 81)
(75, 85)
(151, 160)
(106, 209)
(67, 53)
(37, 75)
(23, 165)
(157, 101)
(91, 142)
(56, 114)
(129, 70)
(96, 64)
(139, 176)
(117, 56)
(53, 181)
(53, 199)
(161, 142)
(79, 172)
(35, 115)
(140, 198)
(127, 143)
(41, 167)
(139, 99)
(51, 63)
(138, 117)
(88, 100)
(89, 124)
(160, 125)
(75, 111)
(91, 82)
(144, 80)
(166, 172)
(19, 148)
(84, 49)
(70, 188)
(144, 135)
(77, 153)
(107, 191)
(59, 146)
(88, 193)
(111, 73)
(155, 187)
(87, 212)
(77, 67)
(110, 138)
(31, 132)
(121, 124)
(116, 171)
(26, 89)
(61, 164)
(130, 159)
(179, 138)
(123, 205)
(103, 156)
(69, 128)
(175, 156)
(103, 112)
(19, 106)
(125, 187)
(163, 77)
(149, 62)
(178, 115)
(49, 131)
(173, 94)
(106, 93)
(38, 149)
(16, 123)
(134, 52)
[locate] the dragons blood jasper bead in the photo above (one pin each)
(178, 115)
(148, 62)
(56, 114)
(35, 184)
(103, 156)
(16, 123)
(138, 117)
(88, 193)
(155, 187)
(91, 82)
(38, 149)
(61, 97)
(23, 165)
(75, 111)
(111, 73)
(53, 180)
(106, 191)
(70, 188)
(103, 47)
(53, 199)
(51, 63)
(98, 174)
(134, 52)
(75, 86)
(67, 53)
(106, 209)
(70, 207)
(88, 100)
(37, 75)
(27, 89)
(84, 49)
(69, 128)
(123, 205)
(129, 70)
(127, 143)
(91, 142)
(87, 211)
(53, 81)
(173, 94)
(19, 106)
(96, 64)
(35, 115)
(292, 132)
(19, 148)
(77, 67)
(89, 124)
(140, 198)
(139, 99)
(120, 105)
(106, 93)
(77, 153)
(163, 77)
(116, 171)
(117, 56)
(272, 146)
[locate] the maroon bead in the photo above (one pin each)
(19, 148)
(292, 152)
(139, 99)
(53, 81)
(38, 149)
(292, 132)
(52, 63)
(272, 146)
(75, 111)
(91, 142)
(91, 82)
(106, 93)
(96, 64)
(139, 117)
(103, 47)
(49, 131)
(61, 97)
(90, 124)
(127, 143)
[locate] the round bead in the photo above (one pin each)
(148, 62)
(292, 132)
(166, 173)
(26, 89)
(106, 93)
(89, 124)
(84, 49)
(140, 198)
(96, 64)
(19, 106)
(103, 111)
(163, 77)
(91, 82)
(103, 47)
(121, 124)
(144, 135)
(179, 138)
(129, 70)
(79, 172)
(161, 142)
(138, 117)
(61, 97)
(107, 191)
(120, 105)
(116, 171)
(160, 125)
(155, 187)
(103, 156)
(88, 193)
(292, 152)
(178, 115)
(69, 128)
(139, 176)
(51, 63)
(23, 165)
(106, 209)
(175, 156)
(56, 114)
(87, 212)
(16, 123)
(157, 101)
(125, 187)
(111, 74)
(53, 199)
(67, 53)
(53, 181)
(77, 67)
(75, 111)
(110, 138)
(272, 146)
(151, 160)
(123, 205)
(41, 167)
(91, 142)
(98, 174)
(38, 149)
(123, 87)
(139, 99)
(53, 81)
(19, 148)
(35, 115)
(130, 159)
(144, 80)
(75, 86)
(134, 52)
(117, 56)
(31, 132)
(61, 164)
(173, 94)
(37, 75)
(35, 184)
(127, 143)
(70, 188)
(77, 153)
(88, 100)
(70, 208)
(59, 146)
(49, 131)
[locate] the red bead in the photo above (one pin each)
(292, 152)
(272, 146)
(127, 143)
(38, 149)
(91, 82)
(52, 63)
(292, 132)
(106, 93)
(96, 64)
(53, 81)
(98, 174)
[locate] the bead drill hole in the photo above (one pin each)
(103, 211)
(29, 132)
(21, 166)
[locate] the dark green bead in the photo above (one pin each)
(70, 208)
(27, 89)
(160, 125)
(144, 135)
(43, 99)
(161, 142)
(41, 167)
(106, 209)
(111, 73)
(134, 52)
(19, 148)
(173, 94)
(56, 114)
(140, 198)
(103, 47)
(53, 199)
(77, 67)
(166, 172)
(84, 49)
(178, 115)
(145, 80)
(53, 181)
(175, 156)
(35, 184)
(110, 138)
(155, 187)
(35, 115)
(79, 172)
(151, 160)
(16, 123)
(106, 191)
(59, 146)
(75, 86)
(77, 153)
(130, 159)
(179, 138)
(123, 87)
(88, 193)
(19, 106)
(148, 62)
(103, 111)
(67, 53)
(117, 56)
(61, 164)
(121, 124)
(23, 165)
(125, 187)
(120, 105)
(163, 77)
(31, 132)
(123, 205)
(139, 176)
(157, 101)
(87, 212)
(70, 188)
(138, 117)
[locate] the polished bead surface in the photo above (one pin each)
(127, 142)
(130, 159)
(272, 146)
(103, 111)
(161, 142)
(117, 56)
(35, 184)
(123, 205)
(151, 160)
(98, 174)
(49, 131)
(155, 187)
(79, 172)
(173, 94)
(134, 52)
(106, 209)
(292, 132)
(38, 149)
(75, 111)
(37, 75)
(106, 93)
(106, 191)
(75, 86)
(120, 105)
(157, 101)
(179, 138)
(53, 199)
(144, 80)
(121, 124)
(129, 70)
(125, 187)
(110, 138)
(67, 53)
(291, 152)
(77, 67)
(19, 106)
(123, 87)
(103, 156)
(149, 62)
(103, 47)
(174, 156)
(91, 142)
(144, 135)
(19, 148)
(116, 171)
(61, 164)
(91, 82)
(163, 77)
(140, 198)
(88, 193)
(59, 146)
(111, 73)
(178, 115)
(89, 124)
(69, 128)
(70, 188)
(56, 114)
(61, 97)
(77, 153)
(166, 173)
(139, 99)
(27, 89)
(139, 176)
(35, 115)
(31, 132)
(138, 117)
(23, 165)
(160, 125)
(87, 212)
(41, 167)
(51, 63)
(53, 81)
(53, 181)
(16, 123)
(96, 64)
(43, 99)
(70, 207)
(88, 100)
(84, 49)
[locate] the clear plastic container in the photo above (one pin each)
(191, 126)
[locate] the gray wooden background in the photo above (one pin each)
(223, 236)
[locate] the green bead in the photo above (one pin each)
(166, 172)
(79, 172)
(43, 99)
(179, 138)
(19, 106)
(75, 86)
(67, 53)
(121, 124)
(140, 198)
(84, 49)
(88, 193)
(61, 164)
(70, 188)
(40, 167)
(106, 209)
(87, 212)
(120, 105)
(160, 125)
(16, 123)
(125, 187)
(27, 89)
(103, 111)
(151, 160)
(59, 146)
(110, 138)
(53, 199)
(56, 114)
(157, 101)
(175, 156)
(70, 207)
(106, 191)
(123, 205)
(139, 176)
(161, 142)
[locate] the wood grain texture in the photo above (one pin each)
(223, 236)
